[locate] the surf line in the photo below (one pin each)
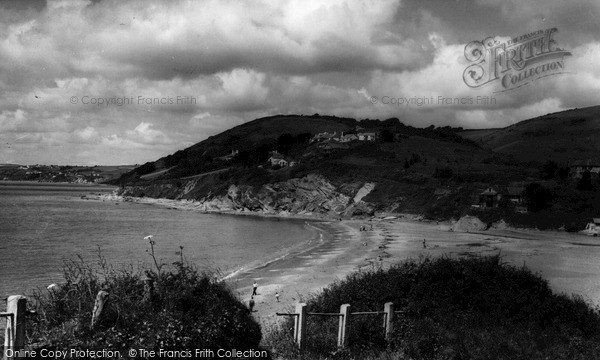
(321, 238)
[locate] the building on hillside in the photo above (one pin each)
(348, 138)
(489, 198)
(514, 194)
(367, 136)
(324, 136)
(577, 169)
(275, 158)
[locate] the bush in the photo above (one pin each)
(188, 310)
(470, 308)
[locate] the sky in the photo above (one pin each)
(125, 82)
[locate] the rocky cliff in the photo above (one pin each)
(309, 195)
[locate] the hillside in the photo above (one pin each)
(562, 137)
(65, 174)
(407, 165)
(337, 167)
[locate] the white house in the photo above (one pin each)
(367, 136)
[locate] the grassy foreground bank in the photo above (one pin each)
(186, 310)
(470, 308)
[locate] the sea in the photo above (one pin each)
(45, 225)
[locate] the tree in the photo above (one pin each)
(585, 183)
(284, 143)
(563, 173)
(537, 197)
(386, 136)
(549, 170)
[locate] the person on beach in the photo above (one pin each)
(254, 288)
(251, 304)
(424, 244)
(277, 296)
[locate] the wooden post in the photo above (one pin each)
(300, 325)
(344, 328)
(14, 337)
(388, 321)
(148, 288)
(99, 306)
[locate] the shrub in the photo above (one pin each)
(469, 308)
(187, 310)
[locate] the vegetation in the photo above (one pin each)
(469, 308)
(186, 310)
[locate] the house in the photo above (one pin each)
(367, 136)
(489, 198)
(348, 138)
(577, 169)
(275, 158)
(324, 136)
(514, 194)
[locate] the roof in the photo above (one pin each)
(514, 190)
(489, 191)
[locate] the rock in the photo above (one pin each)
(500, 225)
(312, 194)
(468, 223)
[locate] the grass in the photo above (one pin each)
(186, 310)
(468, 308)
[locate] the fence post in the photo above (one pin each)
(300, 325)
(388, 321)
(99, 306)
(148, 288)
(344, 327)
(14, 337)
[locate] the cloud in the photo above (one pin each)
(90, 79)
(145, 134)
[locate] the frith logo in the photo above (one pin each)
(515, 62)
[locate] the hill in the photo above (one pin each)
(562, 137)
(338, 167)
(406, 163)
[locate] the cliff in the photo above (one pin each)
(311, 195)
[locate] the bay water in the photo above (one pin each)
(42, 225)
